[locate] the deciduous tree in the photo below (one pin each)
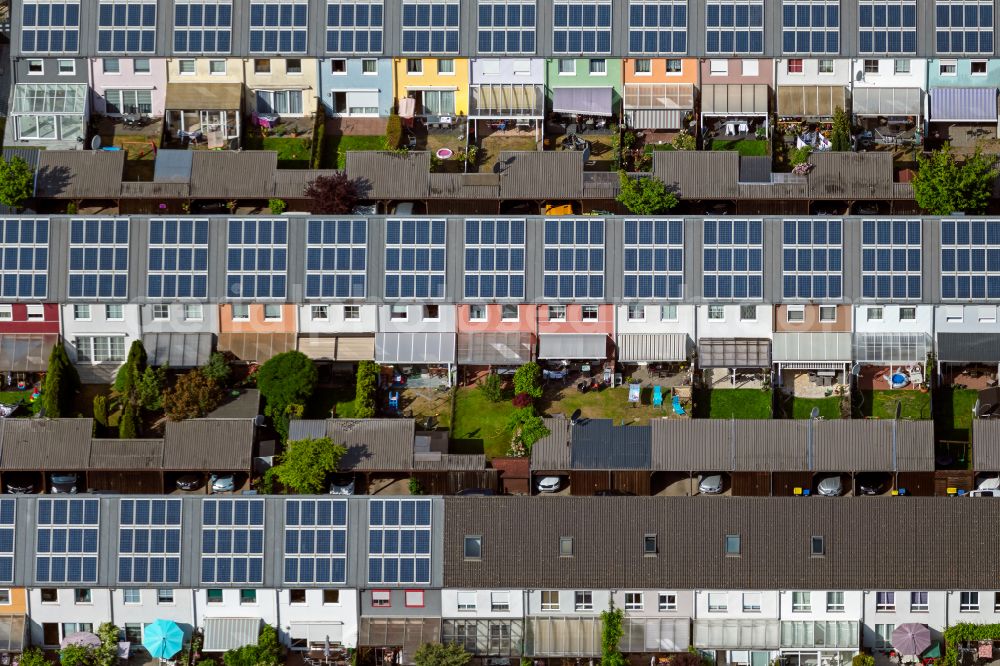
(17, 182)
(193, 396)
(645, 196)
(306, 463)
(943, 185)
(441, 654)
(286, 379)
(332, 195)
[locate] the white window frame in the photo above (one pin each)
(918, 604)
(885, 602)
(477, 312)
(319, 312)
(505, 310)
(801, 602)
(240, 312)
(590, 313)
(556, 313)
(114, 312)
(7, 313)
(716, 312)
(636, 312)
(668, 313)
(81, 312)
(583, 601)
(466, 601)
(968, 602)
(795, 314)
(549, 605)
(718, 602)
(352, 313)
(70, 70)
(193, 312)
(823, 310)
(666, 601)
(500, 602)
(269, 312)
(634, 601)
(835, 602)
(131, 596)
(752, 602)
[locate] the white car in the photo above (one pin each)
(830, 486)
(987, 488)
(342, 484)
(710, 484)
(548, 484)
(223, 483)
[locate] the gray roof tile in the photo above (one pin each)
(209, 444)
(45, 444)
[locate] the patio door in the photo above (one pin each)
(212, 121)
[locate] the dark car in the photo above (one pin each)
(612, 493)
(871, 484)
(63, 483)
(470, 492)
(189, 482)
(17, 485)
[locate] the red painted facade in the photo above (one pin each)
(19, 322)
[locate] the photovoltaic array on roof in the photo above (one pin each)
(399, 542)
(316, 542)
(970, 259)
(581, 27)
(964, 26)
(654, 259)
(336, 258)
(66, 540)
(657, 26)
(734, 26)
(24, 258)
(98, 258)
(354, 27)
(278, 27)
(8, 520)
(732, 262)
(812, 259)
(203, 26)
(430, 26)
(178, 259)
(507, 26)
(890, 259)
(494, 259)
(887, 26)
(574, 259)
(232, 541)
(415, 258)
(149, 541)
(126, 26)
(810, 26)
(50, 27)
(257, 260)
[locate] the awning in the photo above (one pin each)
(586, 101)
(737, 634)
(968, 347)
(565, 636)
(734, 353)
(178, 350)
(810, 101)
(12, 632)
(659, 96)
(415, 348)
(655, 118)
(895, 348)
(963, 105)
(721, 99)
(204, 96)
(227, 633)
(821, 347)
(406, 633)
(26, 352)
(652, 347)
(819, 634)
(573, 346)
(338, 347)
(654, 634)
(494, 348)
(886, 101)
(257, 347)
(317, 632)
(507, 100)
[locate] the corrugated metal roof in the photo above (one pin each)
(811, 347)
(450, 462)
(552, 452)
(761, 445)
(986, 445)
(292, 183)
(415, 347)
(598, 444)
(151, 190)
(968, 347)
(372, 444)
(734, 99)
(79, 174)
(698, 174)
(972, 105)
(178, 350)
(209, 444)
(846, 175)
(465, 185)
(734, 353)
(258, 347)
(26, 352)
(691, 445)
(886, 101)
(653, 347)
(494, 348)
(755, 169)
(210, 96)
(775, 535)
(228, 633)
(338, 347)
(173, 166)
(603, 185)
(577, 346)
(542, 175)
(29, 155)
(45, 444)
(867, 446)
(386, 175)
(810, 101)
(126, 454)
(237, 174)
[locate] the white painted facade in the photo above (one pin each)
(342, 615)
(265, 607)
(66, 612)
(966, 319)
(825, 605)
(187, 317)
(785, 73)
(311, 321)
(737, 604)
(599, 601)
(891, 74)
(482, 604)
(91, 319)
(665, 318)
(891, 320)
(733, 323)
(418, 319)
(902, 608)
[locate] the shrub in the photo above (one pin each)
(644, 196)
(441, 654)
(522, 400)
(528, 379)
(34, 657)
(415, 487)
(863, 660)
(525, 427)
(60, 384)
(150, 388)
(277, 206)
(193, 396)
(393, 132)
(101, 410)
(491, 387)
(267, 652)
(685, 141)
(305, 464)
(217, 368)
(107, 654)
(129, 374)
(286, 379)
(365, 390)
(332, 195)
(800, 155)
(72, 208)
(128, 427)
(17, 182)
(611, 636)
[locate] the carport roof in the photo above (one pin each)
(209, 444)
(598, 444)
(45, 444)
(384, 445)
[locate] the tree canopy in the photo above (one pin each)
(944, 186)
(193, 396)
(645, 196)
(306, 463)
(287, 379)
(441, 654)
(840, 136)
(60, 384)
(17, 182)
(332, 195)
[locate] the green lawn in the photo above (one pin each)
(953, 413)
(335, 147)
(732, 404)
(829, 408)
(292, 153)
(882, 404)
(335, 402)
(745, 147)
(653, 147)
(611, 403)
(480, 425)
(12, 397)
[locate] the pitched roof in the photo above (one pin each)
(227, 173)
(45, 444)
(873, 445)
(598, 444)
(126, 454)
(382, 174)
(291, 183)
(372, 444)
(79, 174)
(209, 444)
(698, 174)
(986, 445)
(552, 452)
(541, 175)
(840, 175)
(520, 544)
(465, 185)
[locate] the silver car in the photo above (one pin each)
(548, 484)
(710, 484)
(830, 486)
(223, 483)
(342, 484)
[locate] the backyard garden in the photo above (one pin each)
(732, 404)
(913, 404)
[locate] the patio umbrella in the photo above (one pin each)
(326, 649)
(83, 638)
(911, 638)
(163, 639)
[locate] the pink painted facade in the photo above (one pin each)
(494, 321)
(574, 321)
(21, 322)
(737, 70)
(103, 78)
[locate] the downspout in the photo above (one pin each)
(895, 423)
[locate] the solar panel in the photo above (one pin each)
(657, 26)
(336, 258)
(494, 259)
(257, 258)
(654, 259)
(507, 26)
(732, 261)
(581, 27)
(8, 513)
(430, 26)
(970, 259)
(812, 258)
(399, 542)
(278, 27)
(963, 26)
(24, 258)
(573, 263)
(890, 259)
(315, 542)
(98, 258)
(126, 26)
(415, 258)
(232, 541)
(203, 26)
(354, 26)
(149, 541)
(50, 27)
(66, 540)
(178, 259)
(810, 26)
(734, 27)
(887, 26)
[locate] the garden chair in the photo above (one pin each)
(657, 396)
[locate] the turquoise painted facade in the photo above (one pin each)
(360, 89)
(963, 76)
(581, 77)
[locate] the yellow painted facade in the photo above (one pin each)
(417, 76)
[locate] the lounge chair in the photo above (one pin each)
(657, 396)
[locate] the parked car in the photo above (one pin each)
(830, 486)
(189, 482)
(63, 483)
(989, 487)
(710, 484)
(872, 484)
(19, 485)
(365, 210)
(613, 493)
(342, 484)
(223, 483)
(471, 492)
(548, 484)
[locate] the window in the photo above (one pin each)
(414, 66)
(126, 26)
(871, 66)
(7, 312)
(732, 545)
(810, 26)
(716, 313)
(369, 66)
(825, 66)
(320, 313)
(331, 597)
(642, 66)
(657, 26)
(467, 601)
(82, 596)
(35, 312)
(874, 314)
(668, 313)
(732, 265)
(193, 311)
(241, 312)
(183, 66)
(801, 602)
(354, 27)
(567, 66)
(272, 312)
(113, 65)
(834, 602)
(431, 313)
(477, 313)
(901, 66)
(500, 602)
(203, 26)
(885, 602)
(794, 65)
(446, 66)
(213, 596)
(718, 602)
(288, 102)
(718, 67)
(969, 602)
(734, 26)
(637, 313)
(338, 66)
(583, 601)
(118, 102)
(132, 595)
(430, 26)
(413, 598)
(918, 602)
(297, 596)
(164, 596)
(948, 67)
(565, 546)
(161, 312)
(293, 66)
(415, 258)
(996, 602)
(674, 66)
(649, 544)
(50, 595)
(907, 314)
(114, 312)
(748, 313)
(262, 66)
(588, 312)
(550, 600)
(654, 259)
(795, 314)
(557, 313)
(398, 313)
(598, 66)
(473, 547)
(494, 259)
(817, 546)
(750, 67)
(581, 26)
(751, 602)
(50, 27)
(964, 26)
(381, 599)
(100, 349)
(509, 313)
(666, 601)
(68, 67)
(887, 26)
(828, 313)
(278, 28)
(4, 597)
(633, 601)
(891, 255)
(81, 312)
(36, 67)
(352, 313)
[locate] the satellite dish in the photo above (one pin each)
(975, 409)
(95, 143)
(860, 76)
(899, 408)
(814, 413)
(856, 370)
(259, 420)
(575, 416)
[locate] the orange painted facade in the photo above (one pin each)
(18, 602)
(256, 323)
(658, 71)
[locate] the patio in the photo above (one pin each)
(972, 376)
(727, 378)
(812, 383)
(609, 403)
(430, 407)
(667, 375)
(879, 377)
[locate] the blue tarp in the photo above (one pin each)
(963, 105)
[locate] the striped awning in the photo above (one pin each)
(565, 636)
(963, 105)
(652, 347)
(803, 347)
(338, 347)
(257, 347)
(26, 352)
(655, 634)
(737, 634)
(507, 100)
(886, 101)
(178, 350)
(228, 633)
(318, 633)
(573, 346)
(721, 99)
(810, 101)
